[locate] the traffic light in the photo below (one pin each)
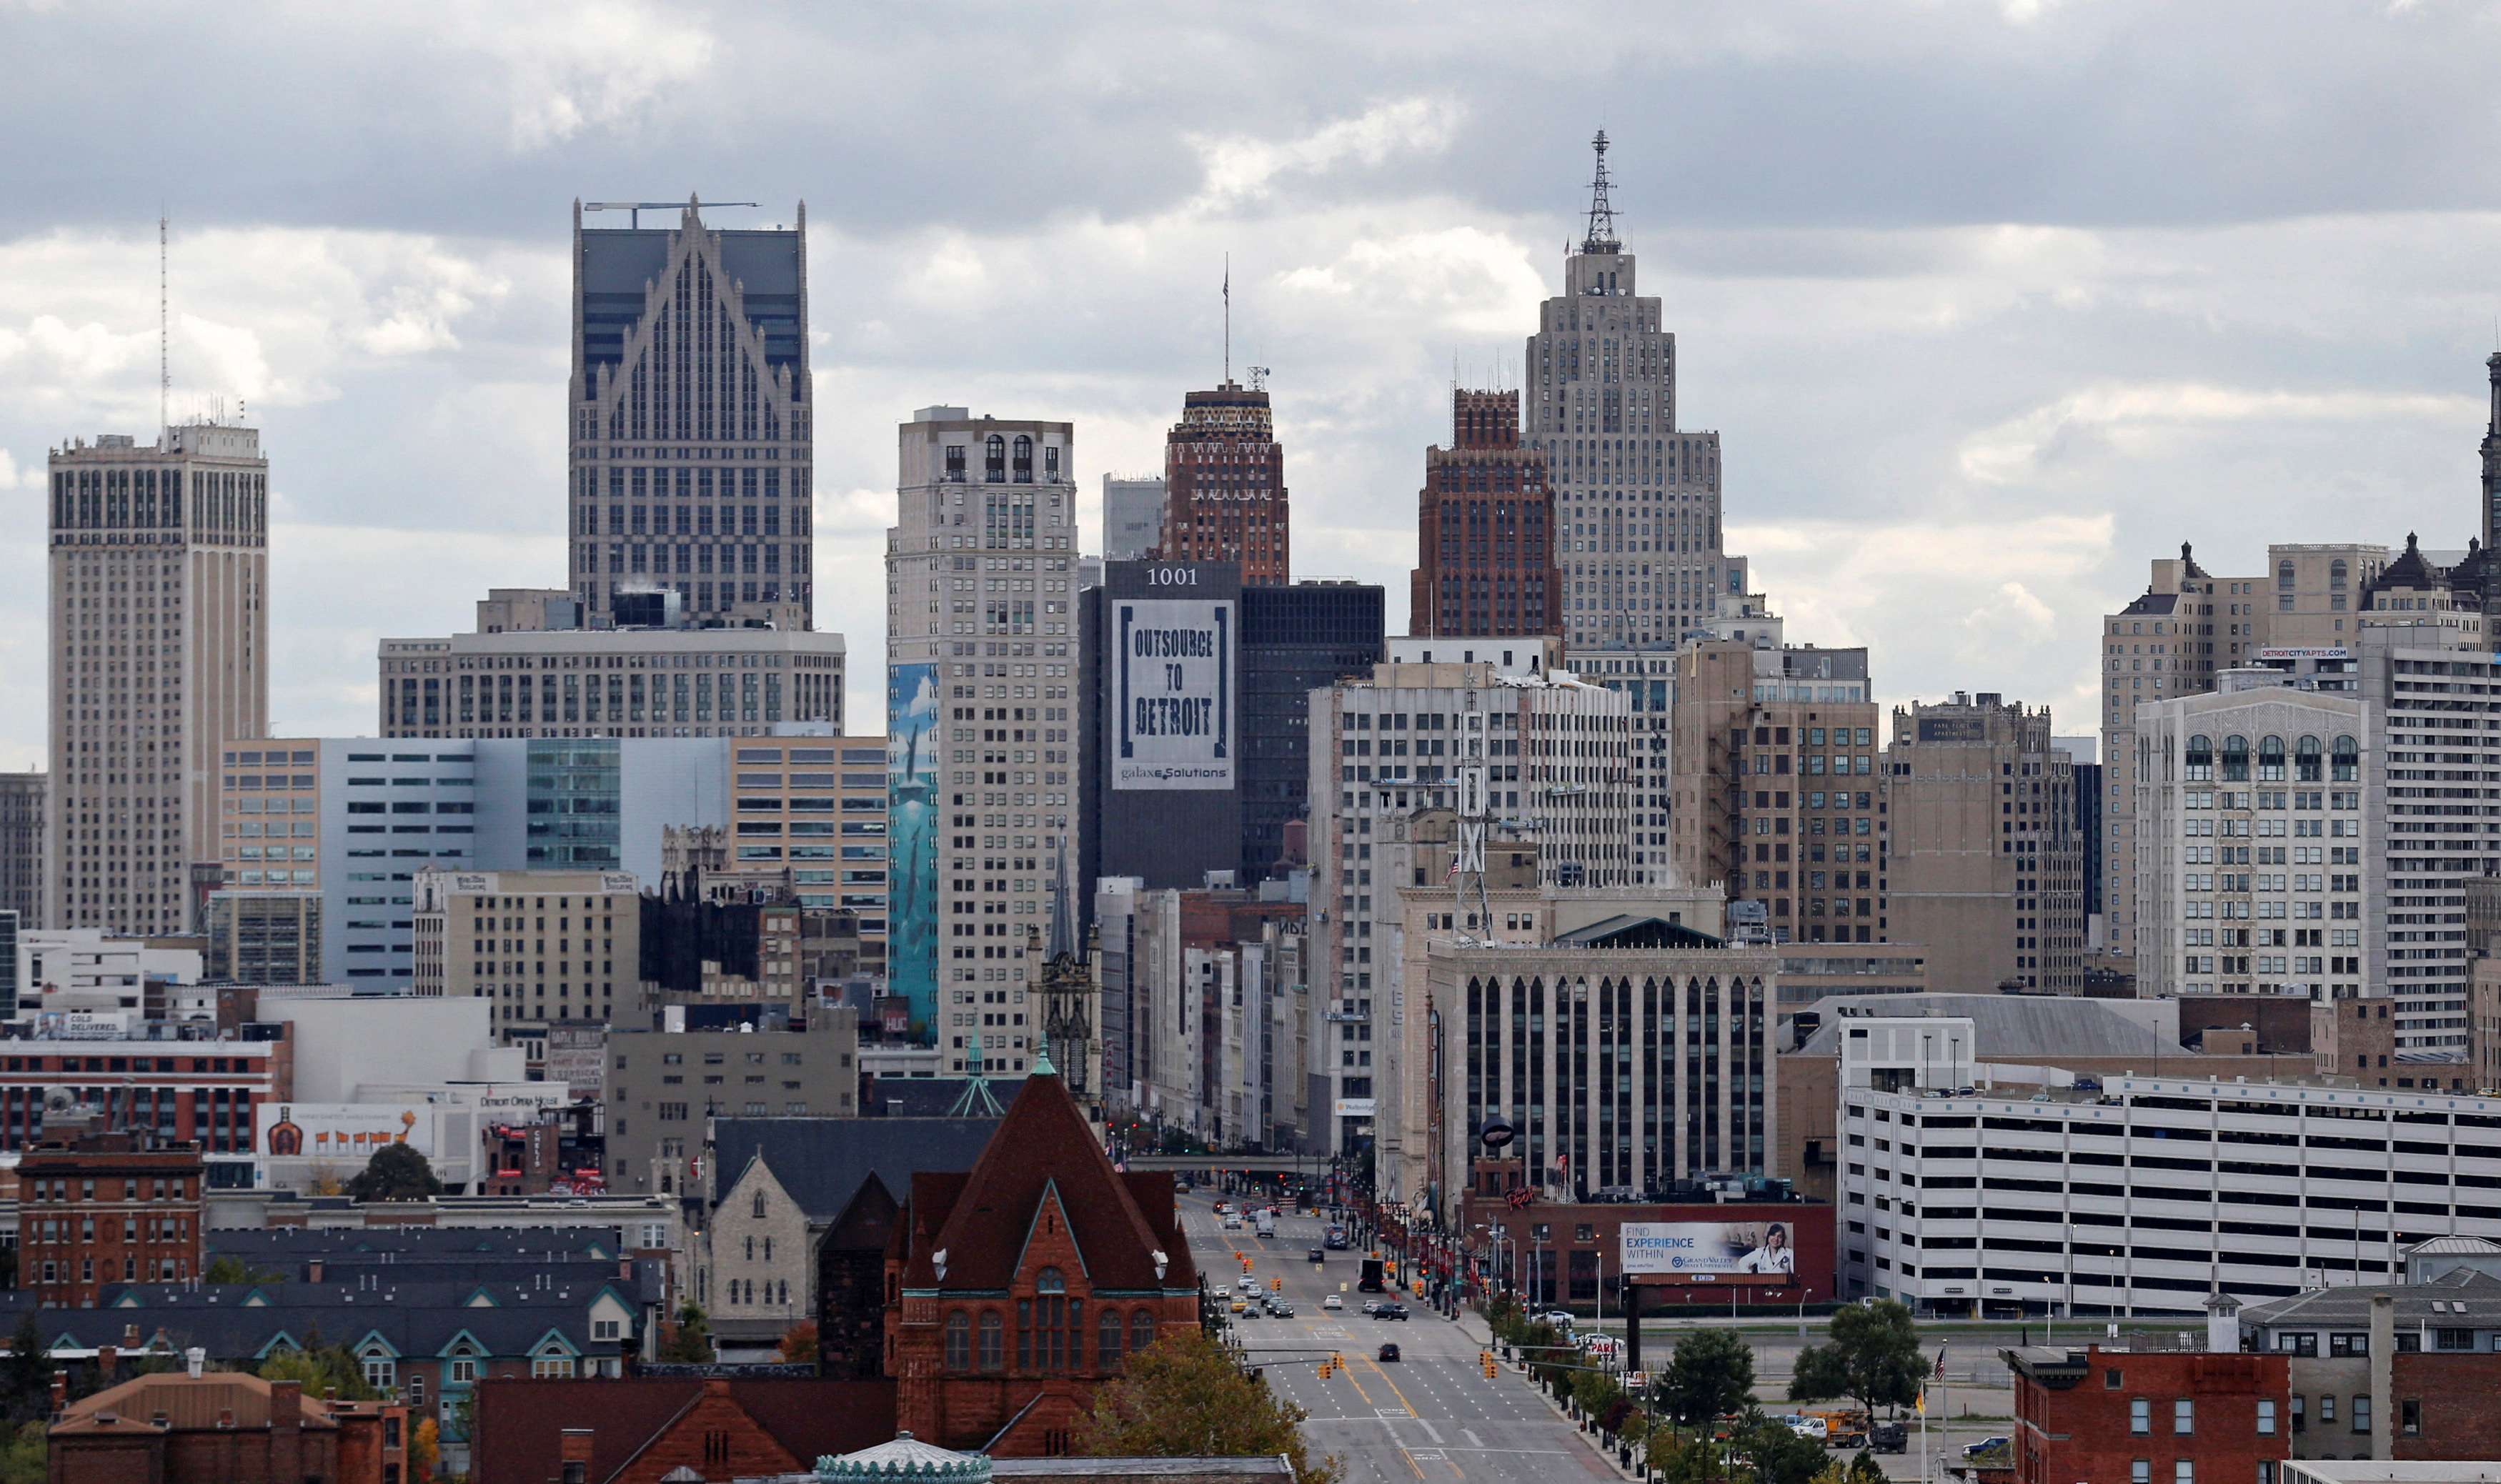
(1276, 1285)
(1325, 1367)
(1485, 1358)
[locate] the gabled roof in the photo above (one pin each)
(521, 1423)
(188, 1402)
(981, 1219)
(821, 1161)
(2413, 571)
(1624, 930)
(2468, 1298)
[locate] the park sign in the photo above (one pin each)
(1711, 1248)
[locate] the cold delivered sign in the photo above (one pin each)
(1174, 681)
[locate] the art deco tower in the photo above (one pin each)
(160, 653)
(691, 423)
(1224, 482)
(1638, 531)
(1485, 532)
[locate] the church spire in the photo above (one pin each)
(1601, 236)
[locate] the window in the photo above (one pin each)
(1142, 1331)
(2410, 1417)
(378, 1371)
(1107, 1339)
(2266, 1417)
(2352, 1344)
(545, 1367)
(2266, 1471)
(2361, 1412)
(990, 1356)
(2327, 1406)
(2184, 1471)
(2297, 1419)
(959, 1342)
(2183, 1417)
(2140, 1471)
(2140, 1418)
(464, 1367)
(2109, 1380)
(2304, 1343)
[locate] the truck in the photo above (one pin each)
(1369, 1282)
(1842, 1427)
(1267, 1223)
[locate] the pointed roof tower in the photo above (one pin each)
(1601, 235)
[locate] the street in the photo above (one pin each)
(1432, 1415)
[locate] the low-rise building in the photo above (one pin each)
(98, 1207)
(664, 1086)
(173, 1428)
(2404, 1370)
(2142, 1415)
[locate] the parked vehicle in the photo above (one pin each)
(1988, 1445)
(1843, 1427)
(1890, 1438)
(1804, 1427)
(1562, 1319)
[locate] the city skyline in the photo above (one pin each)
(2068, 379)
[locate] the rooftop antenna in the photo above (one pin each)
(164, 361)
(1228, 316)
(1601, 236)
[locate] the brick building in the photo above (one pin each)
(202, 1089)
(98, 1208)
(171, 1429)
(2148, 1417)
(641, 1430)
(1224, 482)
(1016, 1288)
(1484, 529)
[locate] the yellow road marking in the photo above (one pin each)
(1358, 1386)
(1393, 1388)
(1410, 1461)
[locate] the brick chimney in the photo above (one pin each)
(107, 1366)
(574, 1456)
(285, 1429)
(313, 1270)
(60, 1391)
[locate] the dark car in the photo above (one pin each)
(1318, 1255)
(1390, 1312)
(1890, 1438)
(1389, 1352)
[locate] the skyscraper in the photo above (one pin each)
(1638, 530)
(1225, 486)
(980, 757)
(1484, 529)
(690, 427)
(160, 639)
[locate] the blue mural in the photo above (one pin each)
(912, 738)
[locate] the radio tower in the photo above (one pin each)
(164, 362)
(1601, 236)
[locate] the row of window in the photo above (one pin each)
(1057, 1343)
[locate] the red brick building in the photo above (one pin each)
(2148, 1417)
(1484, 529)
(1225, 486)
(227, 1425)
(640, 1430)
(96, 1209)
(1014, 1289)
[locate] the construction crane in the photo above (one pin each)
(638, 207)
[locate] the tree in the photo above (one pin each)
(25, 1454)
(1779, 1455)
(1182, 1396)
(1543, 1349)
(26, 1377)
(396, 1172)
(1595, 1391)
(1710, 1375)
(1675, 1458)
(318, 1368)
(689, 1338)
(226, 1267)
(1872, 1359)
(424, 1450)
(1864, 1469)
(798, 1345)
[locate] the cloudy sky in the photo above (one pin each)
(1992, 300)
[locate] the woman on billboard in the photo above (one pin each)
(1773, 1256)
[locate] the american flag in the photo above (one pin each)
(1455, 870)
(1940, 1363)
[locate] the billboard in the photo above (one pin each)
(1942, 728)
(348, 1132)
(1172, 687)
(912, 738)
(1767, 1247)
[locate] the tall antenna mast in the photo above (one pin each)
(1601, 236)
(1228, 316)
(164, 361)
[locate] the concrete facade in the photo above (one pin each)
(610, 682)
(22, 840)
(663, 1086)
(159, 638)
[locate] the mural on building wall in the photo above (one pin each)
(912, 738)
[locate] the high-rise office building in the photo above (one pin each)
(1982, 859)
(1774, 757)
(610, 682)
(1295, 639)
(21, 846)
(1484, 529)
(160, 644)
(980, 641)
(1637, 499)
(1225, 486)
(691, 419)
(1133, 517)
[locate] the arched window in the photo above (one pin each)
(2199, 762)
(2307, 765)
(2269, 759)
(1050, 1281)
(759, 1206)
(1107, 1341)
(2345, 762)
(1142, 1331)
(2236, 759)
(2283, 575)
(1024, 459)
(995, 461)
(959, 1342)
(991, 1354)
(2336, 575)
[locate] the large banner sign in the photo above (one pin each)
(1173, 679)
(1709, 1247)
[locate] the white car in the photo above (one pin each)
(1332, 1301)
(1559, 1318)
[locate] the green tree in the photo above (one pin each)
(1182, 1396)
(1548, 1358)
(1712, 1374)
(1873, 1358)
(1675, 1458)
(25, 1454)
(396, 1172)
(318, 1368)
(1864, 1469)
(689, 1338)
(1779, 1455)
(1595, 1391)
(226, 1267)
(26, 1377)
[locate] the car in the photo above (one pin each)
(1239, 1304)
(1389, 1352)
(1281, 1310)
(1332, 1302)
(1890, 1438)
(1371, 1306)
(1815, 1427)
(1246, 1283)
(1233, 1223)
(1224, 1208)
(1318, 1255)
(1988, 1446)
(1559, 1318)
(1390, 1312)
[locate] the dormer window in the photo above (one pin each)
(1050, 1281)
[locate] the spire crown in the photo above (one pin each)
(1601, 235)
